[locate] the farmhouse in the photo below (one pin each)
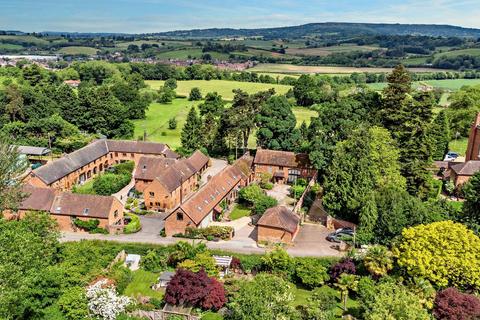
(166, 182)
(278, 224)
(208, 203)
(284, 166)
(65, 207)
(93, 159)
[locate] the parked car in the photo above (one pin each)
(451, 156)
(341, 234)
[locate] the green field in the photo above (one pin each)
(296, 69)
(459, 145)
(190, 53)
(450, 84)
(224, 88)
(454, 53)
(78, 50)
(156, 122)
(325, 51)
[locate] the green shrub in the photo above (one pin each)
(87, 225)
(264, 203)
(251, 194)
(122, 276)
(154, 261)
(311, 272)
(267, 186)
(134, 224)
(172, 123)
(124, 167)
(195, 94)
(279, 262)
(99, 230)
(297, 191)
(110, 183)
(222, 232)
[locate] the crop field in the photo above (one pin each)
(325, 51)
(160, 43)
(295, 69)
(156, 122)
(224, 88)
(9, 46)
(78, 50)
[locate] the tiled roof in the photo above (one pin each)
(173, 176)
(37, 199)
(198, 160)
(282, 158)
(280, 217)
(468, 168)
(149, 167)
(82, 205)
(33, 151)
(210, 195)
(60, 168)
(244, 163)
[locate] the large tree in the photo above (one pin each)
(276, 123)
(191, 133)
(11, 169)
(471, 208)
(365, 162)
(440, 133)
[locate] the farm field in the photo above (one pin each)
(325, 51)
(189, 53)
(449, 84)
(78, 50)
(224, 88)
(295, 69)
(454, 53)
(156, 122)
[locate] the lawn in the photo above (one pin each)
(141, 285)
(223, 87)
(302, 294)
(295, 69)
(459, 145)
(304, 114)
(155, 123)
(78, 50)
(86, 188)
(240, 211)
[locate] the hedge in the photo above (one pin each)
(209, 233)
(134, 225)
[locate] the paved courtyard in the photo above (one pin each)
(281, 192)
(311, 241)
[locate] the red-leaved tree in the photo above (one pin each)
(451, 304)
(344, 266)
(196, 290)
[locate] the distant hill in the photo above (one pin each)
(338, 29)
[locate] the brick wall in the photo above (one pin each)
(271, 234)
(174, 225)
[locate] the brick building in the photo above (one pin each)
(460, 173)
(473, 149)
(284, 166)
(64, 207)
(166, 182)
(278, 224)
(208, 203)
(93, 159)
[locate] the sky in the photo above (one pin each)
(143, 16)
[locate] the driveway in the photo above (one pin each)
(310, 241)
(281, 192)
(217, 166)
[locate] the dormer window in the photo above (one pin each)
(86, 211)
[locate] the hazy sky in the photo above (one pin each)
(136, 16)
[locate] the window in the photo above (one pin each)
(151, 204)
(115, 213)
(152, 194)
(179, 216)
(132, 155)
(86, 211)
(124, 154)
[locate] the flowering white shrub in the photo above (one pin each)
(104, 302)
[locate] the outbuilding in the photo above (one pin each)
(278, 224)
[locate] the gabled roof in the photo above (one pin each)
(198, 160)
(82, 205)
(37, 199)
(150, 167)
(244, 163)
(282, 158)
(33, 151)
(211, 194)
(60, 168)
(468, 168)
(280, 217)
(173, 176)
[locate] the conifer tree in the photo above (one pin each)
(440, 133)
(191, 133)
